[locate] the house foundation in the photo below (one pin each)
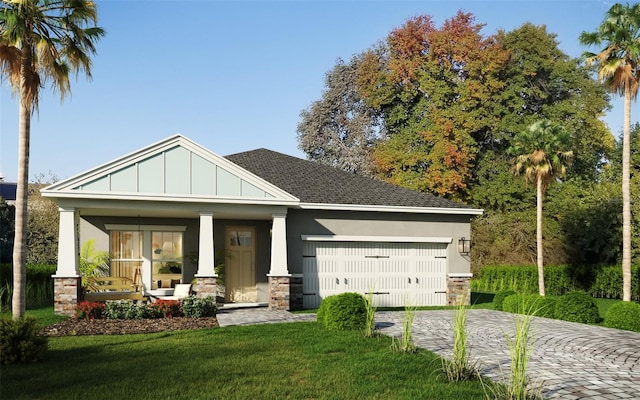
(459, 289)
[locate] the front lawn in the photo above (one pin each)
(292, 360)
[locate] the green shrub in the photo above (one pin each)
(20, 341)
(128, 309)
(347, 312)
(623, 315)
(513, 303)
(322, 310)
(39, 287)
(89, 310)
(498, 299)
(541, 306)
(199, 307)
(577, 307)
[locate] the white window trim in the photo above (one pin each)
(163, 228)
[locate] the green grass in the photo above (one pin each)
(604, 304)
(292, 360)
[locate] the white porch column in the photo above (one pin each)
(67, 244)
(279, 266)
(206, 252)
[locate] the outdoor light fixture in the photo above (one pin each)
(464, 246)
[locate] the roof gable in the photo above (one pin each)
(173, 168)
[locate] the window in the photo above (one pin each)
(126, 253)
(166, 261)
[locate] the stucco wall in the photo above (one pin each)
(318, 222)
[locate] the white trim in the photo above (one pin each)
(379, 208)
(386, 239)
(460, 275)
(130, 227)
(279, 275)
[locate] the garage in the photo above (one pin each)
(398, 270)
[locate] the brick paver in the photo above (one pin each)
(569, 361)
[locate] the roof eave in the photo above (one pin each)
(398, 209)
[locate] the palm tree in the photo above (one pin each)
(617, 63)
(40, 40)
(541, 153)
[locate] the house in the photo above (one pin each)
(289, 232)
(8, 191)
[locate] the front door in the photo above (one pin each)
(240, 269)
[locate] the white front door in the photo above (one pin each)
(240, 270)
(397, 273)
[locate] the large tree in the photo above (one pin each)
(40, 41)
(617, 63)
(541, 153)
(436, 88)
(340, 129)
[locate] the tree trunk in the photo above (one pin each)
(20, 239)
(626, 200)
(539, 237)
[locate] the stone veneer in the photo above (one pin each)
(67, 293)
(206, 286)
(285, 293)
(458, 289)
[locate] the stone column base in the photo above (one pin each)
(67, 293)
(280, 292)
(206, 286)
(459, 289)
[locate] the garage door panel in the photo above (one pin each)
(398, 273)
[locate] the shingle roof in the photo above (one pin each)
(313, 182)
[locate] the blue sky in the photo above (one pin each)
(233, 76)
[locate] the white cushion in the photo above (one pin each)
(182, 290)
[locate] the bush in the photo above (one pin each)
(89, 310)
(166, 308)
(199, 307)
(20, 341)
(623, 315)
(513, 303)
(541, 306)
(128, 309)
(322, 310)
(39, 287)
(577, 307)
(498, 299)
(347, 312)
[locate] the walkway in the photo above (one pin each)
(570, 361)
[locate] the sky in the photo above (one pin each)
(234, 75)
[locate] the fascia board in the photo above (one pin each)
(398, 209)
(385, 239)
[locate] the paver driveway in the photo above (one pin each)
(570, 361)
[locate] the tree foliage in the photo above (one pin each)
(340, 129)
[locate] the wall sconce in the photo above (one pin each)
(464, 246)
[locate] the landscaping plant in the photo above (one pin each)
(623, 315)
(89, 310)
(20, 341)
(198, 307)
(460, 368)
(347, 311)
(405, 343)
(498, 299)
(577, 307)
(370, 323)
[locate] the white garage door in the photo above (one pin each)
(397, 273)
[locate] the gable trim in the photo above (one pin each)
(385, 239)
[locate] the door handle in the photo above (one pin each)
(337, 281)
(345, 281)
(417, 281)
(409, 280)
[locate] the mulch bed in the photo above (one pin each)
(75, 327)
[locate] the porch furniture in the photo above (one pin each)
(112, 288)
(181, 291)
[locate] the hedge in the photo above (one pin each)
(599, 281)
(39, 289)
(624, 315)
